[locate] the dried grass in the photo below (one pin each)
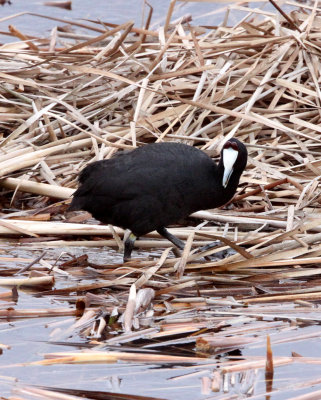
(69, 100)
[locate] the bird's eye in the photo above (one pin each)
(229, 145)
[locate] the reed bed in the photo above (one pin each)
(88, 92)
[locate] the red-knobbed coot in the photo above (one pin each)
(156, 185)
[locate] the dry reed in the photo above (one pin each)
(71, 98)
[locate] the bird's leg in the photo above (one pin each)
(177, 242)
(129, 245)
(177, 252)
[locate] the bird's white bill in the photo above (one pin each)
(229, 158)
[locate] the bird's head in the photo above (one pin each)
(234, 157)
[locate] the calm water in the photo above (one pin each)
(29, 338)
(117, 11)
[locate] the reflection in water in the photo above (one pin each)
(269, 369)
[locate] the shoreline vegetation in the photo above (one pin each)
(92, 89)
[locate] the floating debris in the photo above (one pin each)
(96, 89)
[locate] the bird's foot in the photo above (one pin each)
(219, 255)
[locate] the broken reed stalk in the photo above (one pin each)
(66, 103)
(30, 282)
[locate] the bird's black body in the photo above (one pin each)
(155, 185)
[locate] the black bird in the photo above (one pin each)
(156, 185)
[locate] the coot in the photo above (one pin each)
(156, 185)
